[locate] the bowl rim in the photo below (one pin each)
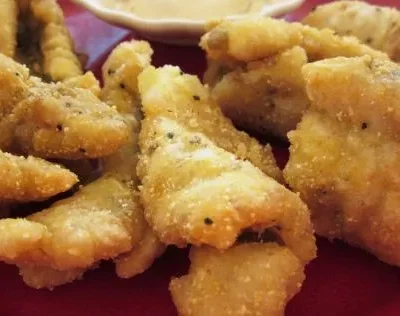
(132, 20)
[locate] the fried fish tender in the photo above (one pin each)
(124, 216)
(40, 277)
(272, 95)
(344, 154)
(214, 196)
(257, 37)
(32, 179)
(8, 30)
(55, 120)
(120, 73)
(98, 222)
(376, 26)
(248, 279)
(59, 59)
(168, 92)
(141, 257)
(264, 62)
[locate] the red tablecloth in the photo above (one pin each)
(341, 281)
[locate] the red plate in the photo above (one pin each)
(341, 281)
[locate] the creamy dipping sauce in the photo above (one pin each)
(188, 9)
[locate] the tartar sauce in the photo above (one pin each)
(188, 9)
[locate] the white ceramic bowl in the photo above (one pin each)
(174, 31)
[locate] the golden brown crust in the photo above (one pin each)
(256, 38)
(214, 196)
(32, 179)
(344, 154)
(249, 279)
(357, 90)
(55, 120)
(59, 59)
(8, 30)
(376, 26)
(272, 95)
(167, 92)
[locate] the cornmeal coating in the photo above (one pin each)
(272, 95)
(59, 59)
(8, 30)
(54, 120)
(255, 38)
(129, 237)
(344, 154)
(168, 92)
(32, 179)
(250, 279)
(376, 26)
(195, 192)
(262, 58)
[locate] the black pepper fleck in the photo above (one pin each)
(170, 135)
(208, 221)
(110, 71)
(67, 104)
(195, 140)
(82, 150)
(181, 73)
(196, 98)
(364, 125)
(17, 74)
(122, 86)
(59, 127)
(368, 40)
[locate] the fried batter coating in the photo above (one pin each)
(272, 95)
(376, 26)
(214, 196)
(262, 58)
(169, 93)
(120, 73)
(59, 59)
(8, 30)
(40, 277)
(141, 257)
(249, 279)
(114, 225)
(344, 154)
(86, 81)
(32, 179)
(255, 38)
(94, 224)
(54, 120)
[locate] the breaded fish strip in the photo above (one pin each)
(169, 93)
(344, 154)
(32, 179)
(272, 95)
(120, 73)
(8, 30)
(256, 38)
(99, 222)
(41, 277)
(54, 120)
(376, 26)
(249, 279)
(262, 58)
(125, 214)
(141, 257)
(59, 59)
(195, 192)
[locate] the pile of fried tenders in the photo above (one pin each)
(149, 159)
